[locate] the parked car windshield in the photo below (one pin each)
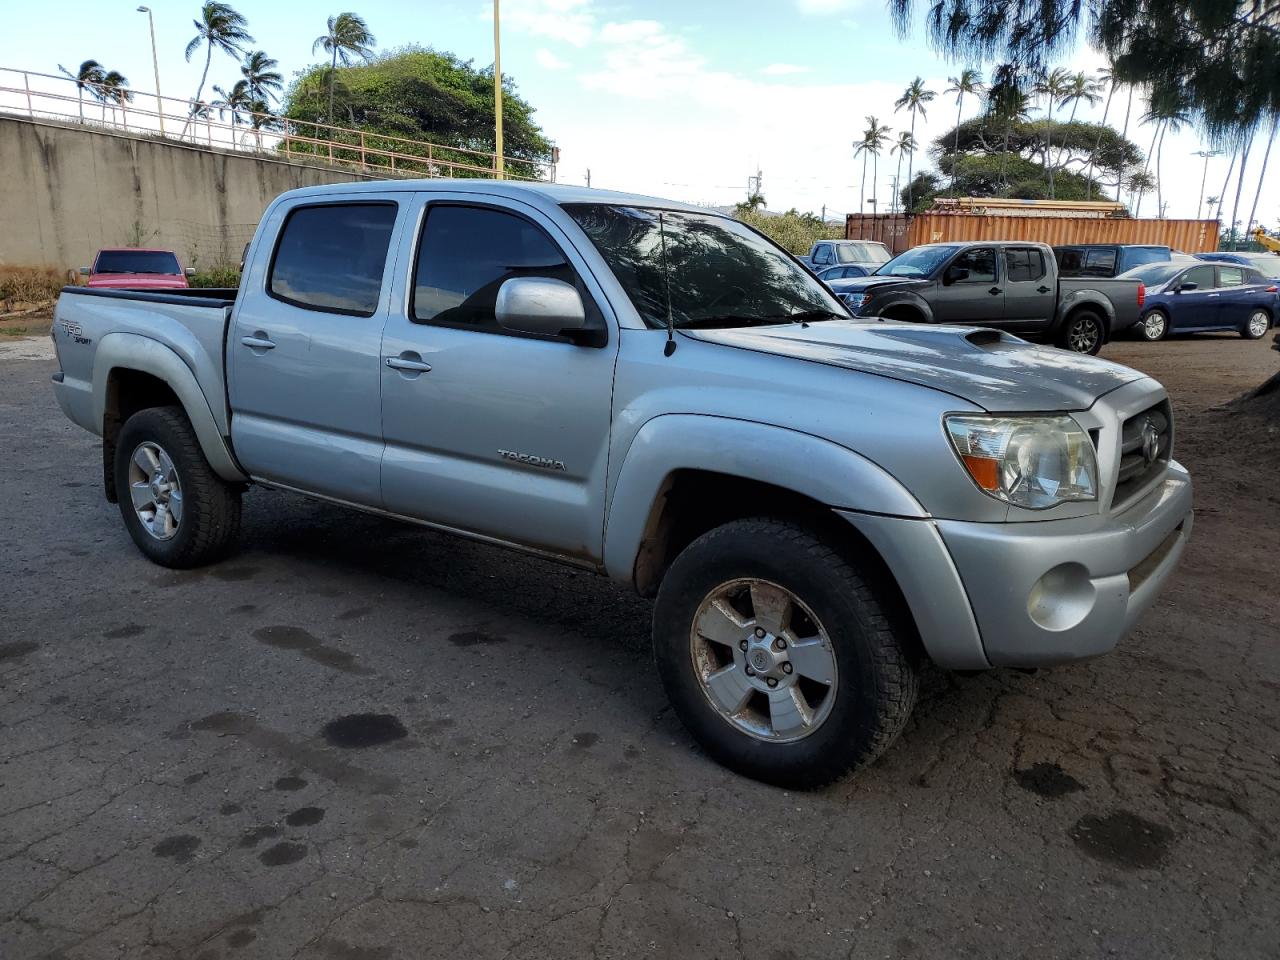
(713, 270)
(862, 253)
(918, 261)
(136, 261)
(1154, 274)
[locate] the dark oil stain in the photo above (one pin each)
(128, 630)
(244, 608)
(78, 553)
(235, 574)
(225, 722)
(59, 700)
(408, 843)
(359, 730)
(12, 651)
(255, 836)
(73, 484)
(355, 613)
(632, 752)
(336, 949)
(584, 740)
(305, 817)
(1123, 839)
(282, 854)
(229, 809)
(1047, 780)
(434, 726)
(474, 638)
(195, 777)
(241, 938)
(290, 784)
(300, 641)
(180, 849)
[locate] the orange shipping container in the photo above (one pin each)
(900, 233)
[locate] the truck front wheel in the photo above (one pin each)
(178, 511)
(778, 655)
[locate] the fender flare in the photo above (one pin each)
(1086, 299)
(917, 303)
(809, 465)
(130, 351)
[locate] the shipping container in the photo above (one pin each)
(900, 233)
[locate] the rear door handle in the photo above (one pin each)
(993, 291)
(412, 364)
(259, 341)
(1213, 295)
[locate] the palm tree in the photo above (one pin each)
(348, 37)
(87, 77)
(1107, 77)
(864, 148)
(1053, 87)
(198, 110)
(1124, 134)
(219, 28)
(1168, 114)
(1235, 206)
(114, 88)
(235, 101)
(1081, 86)
(874, 139)
(913, 99)
(905, 143)
(1262, 174)
(260, 74)
(969, 81)
(1007, 103)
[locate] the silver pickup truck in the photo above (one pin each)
(659, 394)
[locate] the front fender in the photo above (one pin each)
(131, 351)
(914, 301)
(809, 465)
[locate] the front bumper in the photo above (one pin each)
(1038, 593)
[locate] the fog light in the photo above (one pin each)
(1062, 598)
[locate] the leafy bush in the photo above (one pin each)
(224, 275)
(30, 284)
(792, 230)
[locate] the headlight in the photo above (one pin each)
(1032, 462)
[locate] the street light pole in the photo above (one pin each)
(497, 94)
(155, 64)
(1204, 176)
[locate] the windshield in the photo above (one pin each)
(716, 271)
(918, 262)
(862, 253)
(1153, 274)
(136, 261)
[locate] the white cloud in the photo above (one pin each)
(549, 61)
(783, 69)
(643, 61)
(821, 7)
(632, 31)
(569, 21)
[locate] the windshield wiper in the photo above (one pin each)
(730, 320)
(808, 316)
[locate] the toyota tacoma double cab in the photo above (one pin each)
(1011, 285)
(658, 393)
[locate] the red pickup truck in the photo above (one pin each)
(136, 269)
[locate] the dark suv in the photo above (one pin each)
(1106, 259)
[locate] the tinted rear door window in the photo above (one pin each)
(331, 257)
(1231, 276)
(1101, 263)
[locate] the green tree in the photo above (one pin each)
(1262, 174)
(261, 77)
(1107, 77)
(219, 28)
(348, 37)
(87, 77)
(235, 101)
(1165, 116)
(1053, 86)
(1081, 88)
(1007, 104)
(113, 88)
(913, 99)
(874, 139)
(969, 82)
(905, 144)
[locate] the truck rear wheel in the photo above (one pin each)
(178, 511)
(778, 655)
(1082, 333)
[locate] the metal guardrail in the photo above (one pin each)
(212, 125)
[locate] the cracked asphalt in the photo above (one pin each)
(358, 741)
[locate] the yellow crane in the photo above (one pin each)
(1268, 242)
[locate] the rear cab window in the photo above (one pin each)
(331, 257)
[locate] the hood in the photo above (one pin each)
(993, 370)
(139, 281)
(863, 284)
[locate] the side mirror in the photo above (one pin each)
(539, 305)
(1188, 286)
(189, 272)
(955, 275)
(84, 271)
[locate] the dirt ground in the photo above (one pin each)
(358, 741)
(27, 323)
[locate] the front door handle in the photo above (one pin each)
(993, 291)
(410, 363)
(259, 341)
(1213, 295)
(1042, 289)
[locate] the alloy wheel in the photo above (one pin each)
(155, 490)
(1084, 335)
(1259, 323)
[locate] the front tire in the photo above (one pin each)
(1082, 333)
(779, 656)
(1256, 327)
(177, 510)
(1154, 326)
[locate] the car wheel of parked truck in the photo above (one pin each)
(178, 511)
(1082, 332)
(779, 656)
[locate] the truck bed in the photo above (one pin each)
(1123, 294)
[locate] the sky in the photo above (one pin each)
(677, 99)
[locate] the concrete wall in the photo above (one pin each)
(66, 191)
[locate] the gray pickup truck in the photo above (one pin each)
(1012, 285)
(662, 395)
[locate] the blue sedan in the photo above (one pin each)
(1184, 298)
(1268, 264)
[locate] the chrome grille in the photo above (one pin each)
(1146, 446)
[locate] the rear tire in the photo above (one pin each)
(177, 510)
(835, 707)
(1256, 327)
(1083, 332)
(1154, 326)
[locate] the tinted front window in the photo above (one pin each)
(981, 264)
(1024, 264)
(467, 253)
(1202, 277)
(713, 270)
(331, 257)
(137, 261)
(918, 262)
